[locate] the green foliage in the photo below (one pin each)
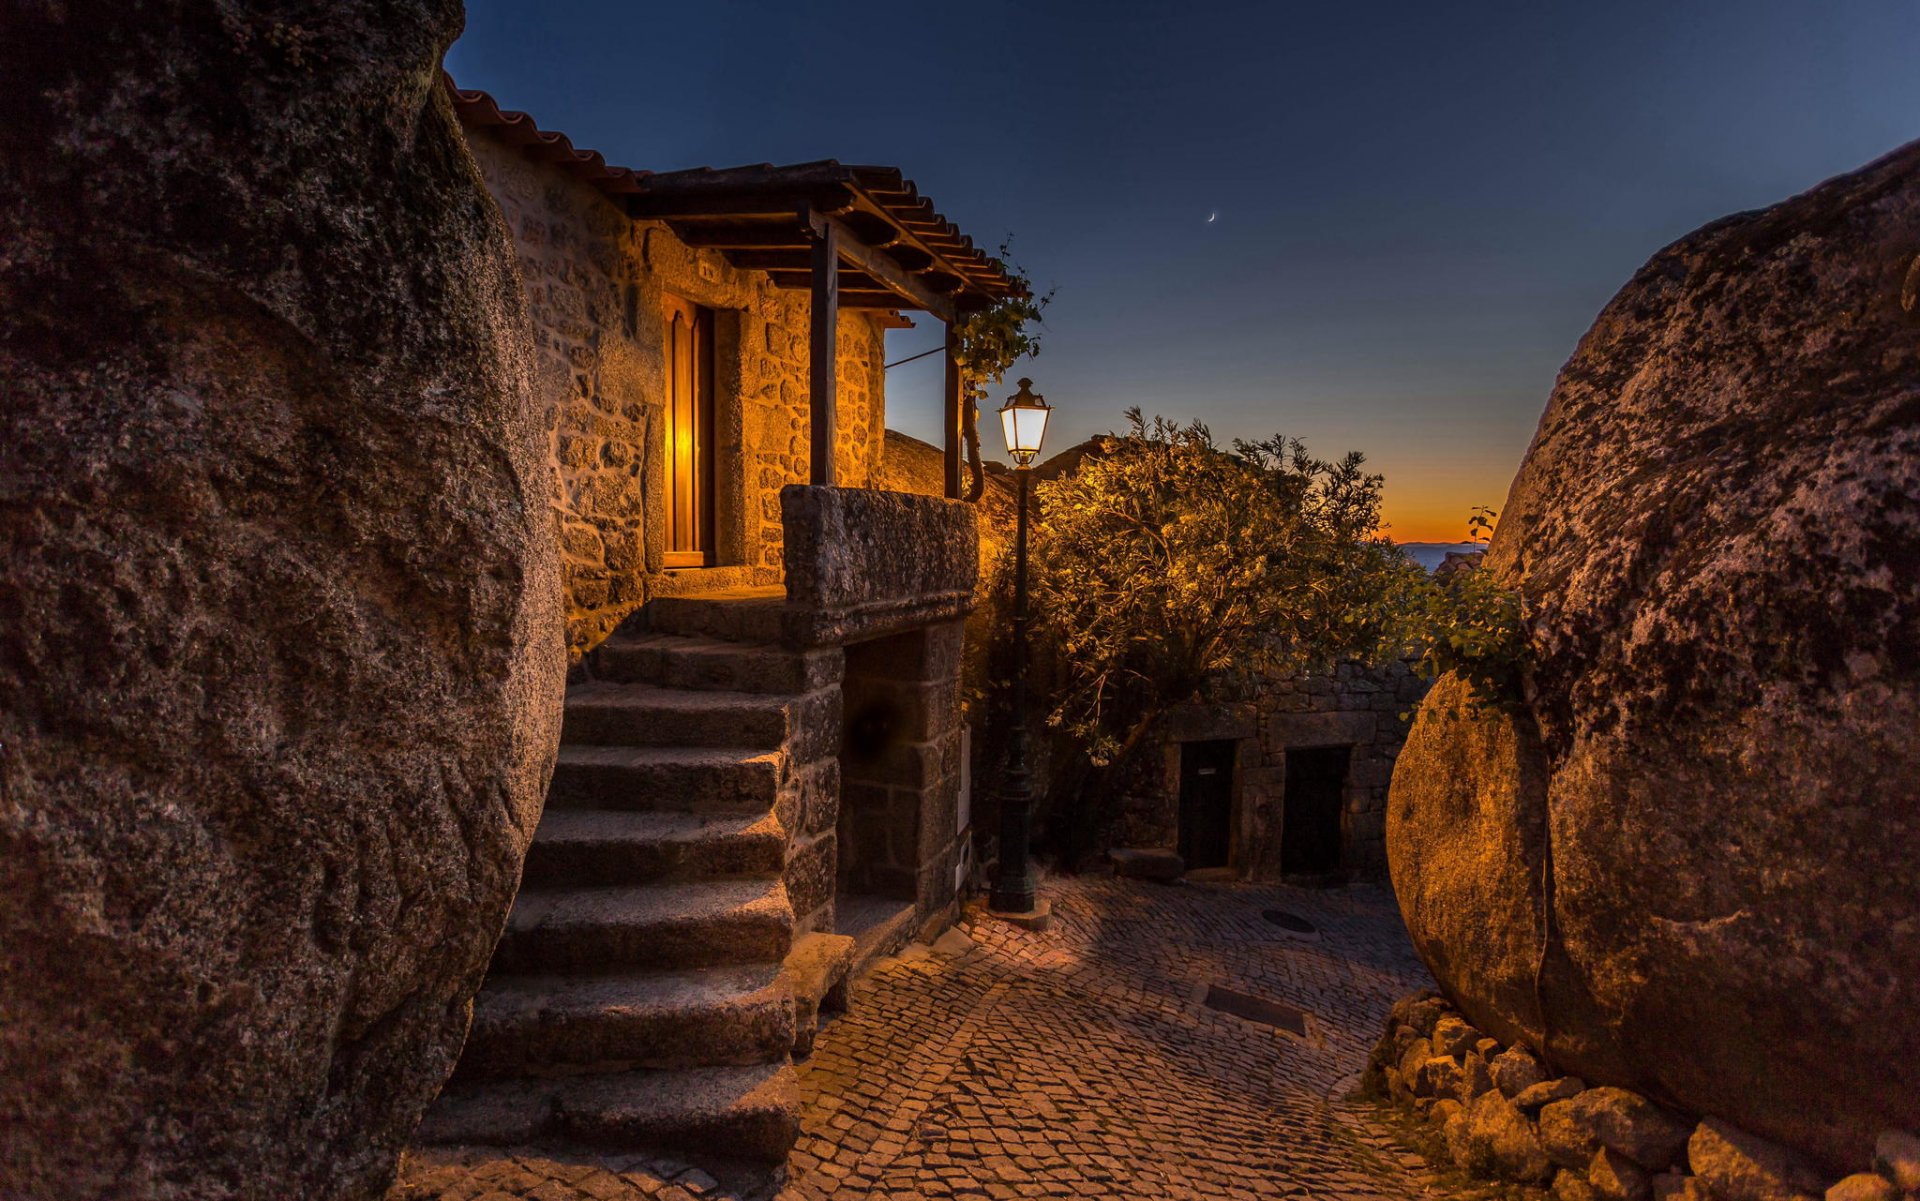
(992, 340)
(1468, 623)
(1166, 567)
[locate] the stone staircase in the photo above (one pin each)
(655, 979)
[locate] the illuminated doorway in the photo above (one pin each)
(689, 434)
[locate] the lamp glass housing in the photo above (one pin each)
(1023, 422)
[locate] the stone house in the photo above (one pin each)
(759, 779)
(1290, 783)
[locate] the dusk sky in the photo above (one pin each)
(1416, 209)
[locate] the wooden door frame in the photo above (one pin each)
(702, 322)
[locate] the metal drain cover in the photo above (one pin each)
(1290, 921)
(1257, 1009)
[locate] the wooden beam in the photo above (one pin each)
(889, 274)
(773, 258)
(745, 237)
(873, 230)
(799, 258)
(951, 413)
(667, 205)
(910, 258)
(852, 281)
(874, 300)
(935, 243)
(824, 361)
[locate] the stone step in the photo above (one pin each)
(738, 1113)
(685, 779)
(735, 614)
(879, 926)
(604, 713)
(582, 848)
(712, 664)
(816, 972)
(554, 1025)
(664, 926)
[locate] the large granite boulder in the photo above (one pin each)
(1706, 812)
(280, 643)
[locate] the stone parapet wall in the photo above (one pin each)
(595, 281)
(862, 564)
(1497, 1112)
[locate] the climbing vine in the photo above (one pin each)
(989, 342)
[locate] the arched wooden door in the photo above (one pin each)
(689, 433)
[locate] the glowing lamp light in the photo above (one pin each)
(1023, 421)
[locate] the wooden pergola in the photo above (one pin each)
(854, 237)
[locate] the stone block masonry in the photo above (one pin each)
(596, 281)
(900, 768)
(1365, 709)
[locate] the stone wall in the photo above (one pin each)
(1367, 709)
(595, 280)
(900, 767)
(862, 564)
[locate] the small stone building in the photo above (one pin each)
(759, 775)
(1288, 785)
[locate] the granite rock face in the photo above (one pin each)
(1707, 809)
(280, 646)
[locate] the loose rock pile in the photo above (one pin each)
(1505, 1115)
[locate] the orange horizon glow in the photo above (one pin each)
(1438, 512)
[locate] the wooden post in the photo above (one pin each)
(953, 413)
(824, 362)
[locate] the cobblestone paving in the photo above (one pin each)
(1075, 1062)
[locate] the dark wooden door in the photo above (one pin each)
(1310, 827)
(1206, 803)
(689, 435)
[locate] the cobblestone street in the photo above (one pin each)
(1076, 1062)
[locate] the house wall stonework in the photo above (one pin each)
(899, 820)
(595, 279)
(1366, 709)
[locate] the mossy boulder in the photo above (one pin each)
(1683, 862)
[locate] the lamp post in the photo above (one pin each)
(1023, 421)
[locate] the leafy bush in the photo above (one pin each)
(1466, 622)
(1167, 569)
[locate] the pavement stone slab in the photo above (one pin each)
(1075, 1061)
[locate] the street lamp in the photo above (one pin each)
(1023, 421)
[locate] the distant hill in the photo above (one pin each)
(1431, 554)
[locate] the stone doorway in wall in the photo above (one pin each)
(1316, 789)
(892, 763)
(1206, 803)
